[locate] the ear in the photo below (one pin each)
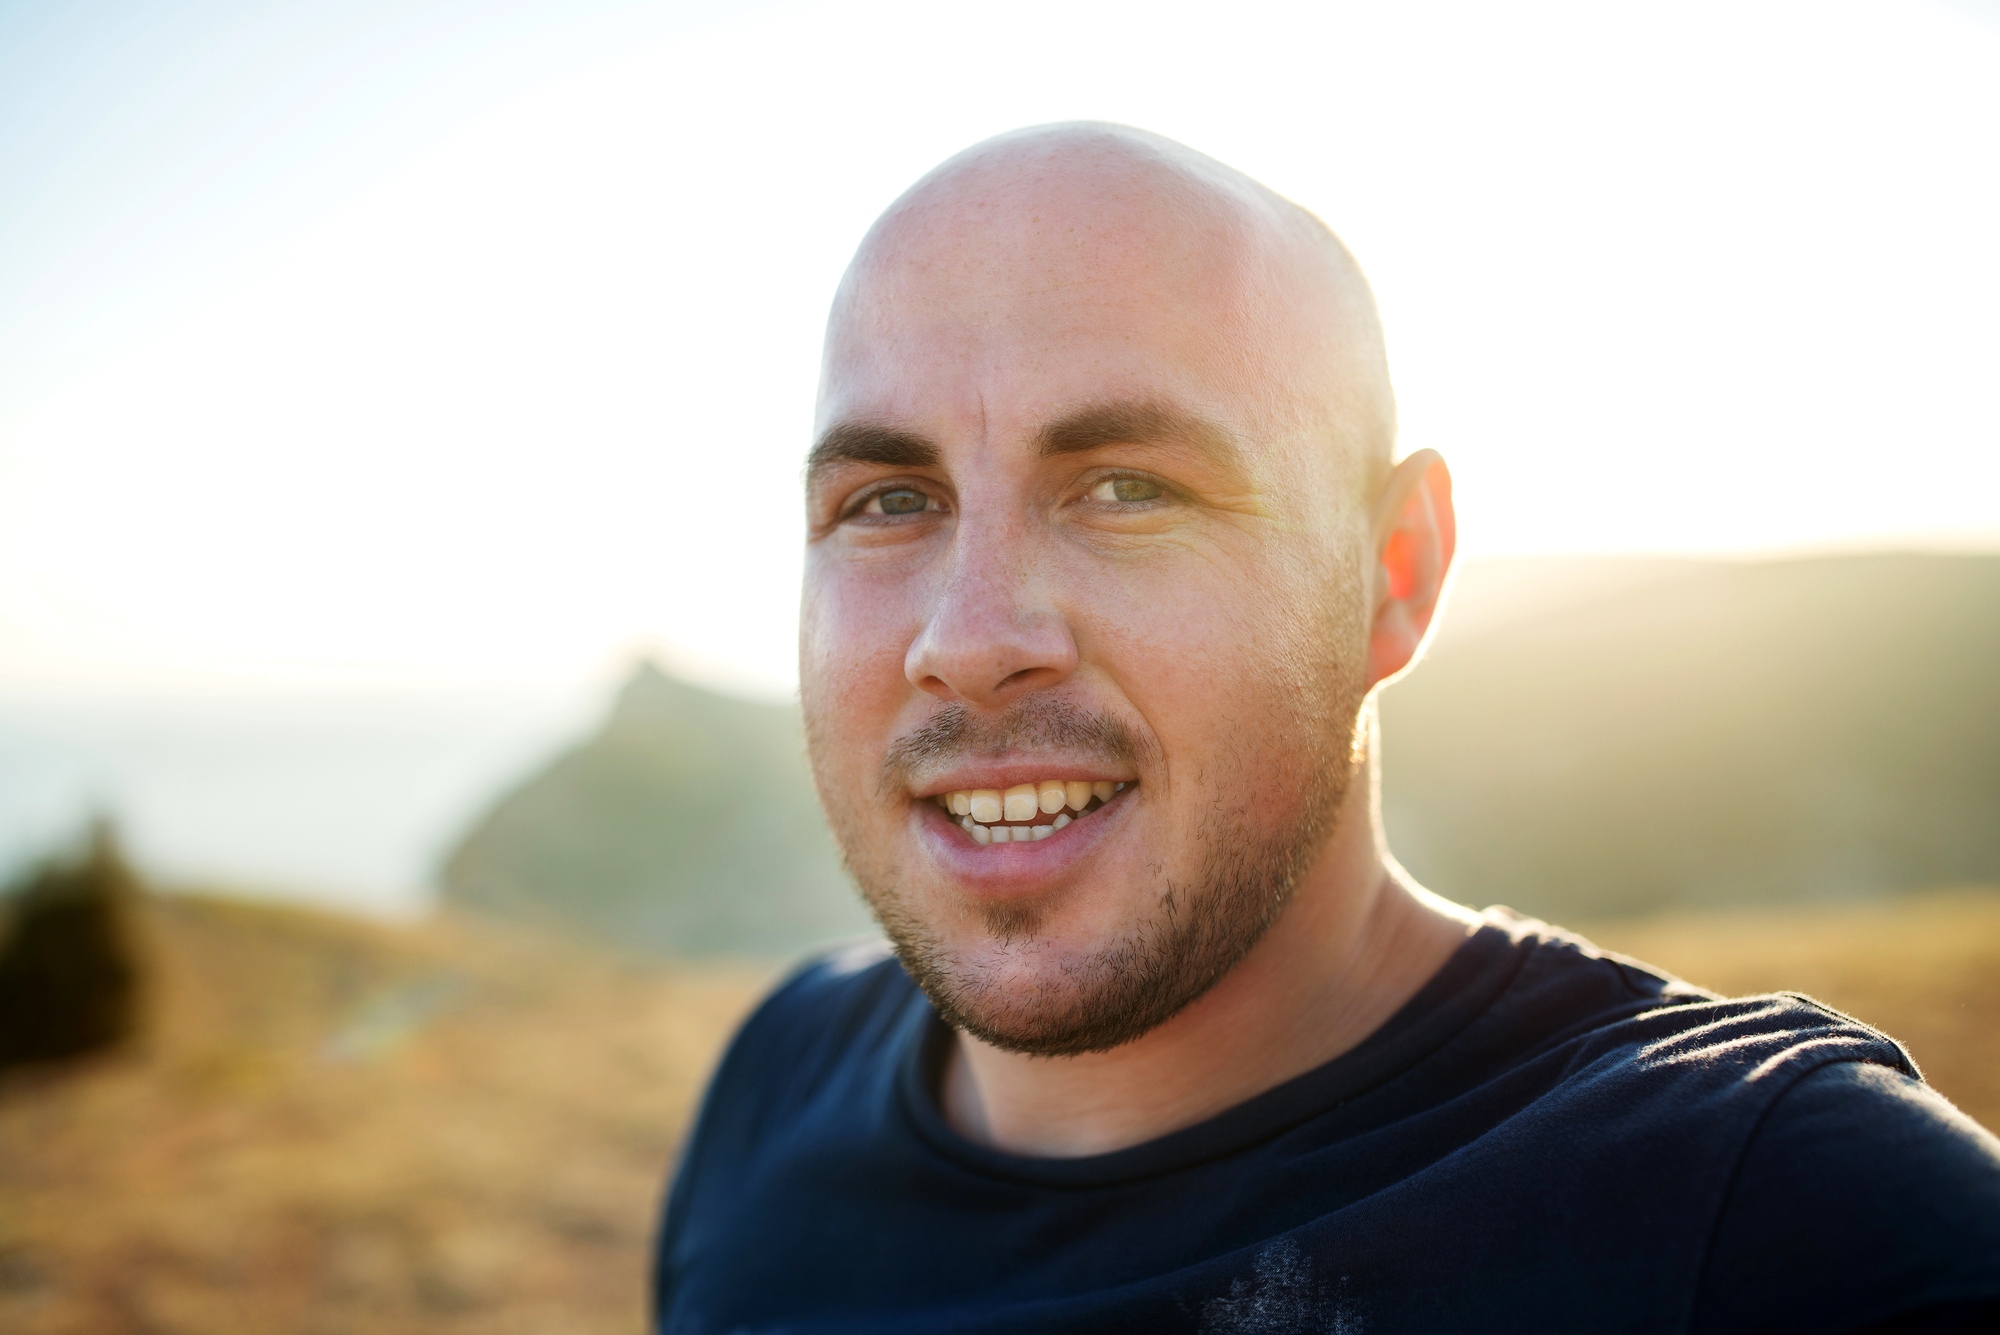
(1415, 534)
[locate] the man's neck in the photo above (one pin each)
(1355, 943)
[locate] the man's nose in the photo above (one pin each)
(994, 634)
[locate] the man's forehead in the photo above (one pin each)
(1042, 388)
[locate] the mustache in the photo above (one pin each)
(955, 732)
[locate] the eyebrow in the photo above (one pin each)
(1088, 428)
(870, 443)
(1138, 423)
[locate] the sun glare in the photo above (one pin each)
(538, 390)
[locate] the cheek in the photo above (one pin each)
(1226, 666)
(853, 636)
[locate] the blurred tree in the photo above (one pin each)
(69, 964)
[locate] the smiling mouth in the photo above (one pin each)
(1027, 812)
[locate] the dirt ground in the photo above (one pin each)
(335, 1126)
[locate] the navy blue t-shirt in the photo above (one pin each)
(1544, 1139)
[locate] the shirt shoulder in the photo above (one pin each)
(1863, 1199)
(829, 1010)
(822, 1020)
(1608, 1013)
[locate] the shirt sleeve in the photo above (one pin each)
(1864, 1202)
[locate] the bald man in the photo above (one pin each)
(1106, 552)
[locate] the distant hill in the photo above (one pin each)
(687, 825)
(1590, 738)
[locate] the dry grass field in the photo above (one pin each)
(340, 1126)
(335, 1126)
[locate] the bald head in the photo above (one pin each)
(1127, 258)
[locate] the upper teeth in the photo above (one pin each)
(981, 810)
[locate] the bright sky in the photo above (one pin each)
(424, 343)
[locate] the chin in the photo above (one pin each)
(1035, 977)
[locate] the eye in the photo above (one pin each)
(1127, 490)
(897, 501)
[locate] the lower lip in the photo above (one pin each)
(1011, 870)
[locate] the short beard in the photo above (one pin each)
(1201, 930)
(1200, 933)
